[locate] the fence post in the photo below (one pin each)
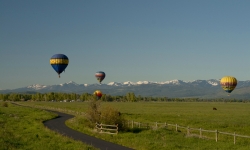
(139, 125)
(216, 135)
(234, 138)
(200, 133)
(176, 127)
(116, 128)
(97, 128)
(188, 131)
(101, 127)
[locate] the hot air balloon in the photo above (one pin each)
(98, 94)
(228, 83)
(100, 76)
(59, 62)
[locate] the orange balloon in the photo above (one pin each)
(98, 94)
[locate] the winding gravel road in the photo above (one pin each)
(58, 125)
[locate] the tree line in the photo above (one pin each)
(129, 97)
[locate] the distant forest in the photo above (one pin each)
(129, 97)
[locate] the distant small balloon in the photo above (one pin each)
(59, 62)
(98, 94)
(228, 83)
(100, 75)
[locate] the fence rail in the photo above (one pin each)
(157, 125)
(109, 129)
(113, 129)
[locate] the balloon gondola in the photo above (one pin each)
(59, 62)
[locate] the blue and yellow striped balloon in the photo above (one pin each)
(228, 83)
(59, 62)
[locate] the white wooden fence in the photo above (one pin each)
(113, 129)
(109, 129)
(176, 127)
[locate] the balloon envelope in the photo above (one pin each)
(228, 83)
(98, 94)
(100, 75)
(59, 62)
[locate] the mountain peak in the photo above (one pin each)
(175, 81)
(145, 82)
(71, 82)
(114, 84)
(129, 83)
(36, 86)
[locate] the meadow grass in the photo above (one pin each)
(22, 128)
(229, 117)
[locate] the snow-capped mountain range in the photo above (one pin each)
(128, 83)
(172, 88)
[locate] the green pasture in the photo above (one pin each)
(229, 117)
(21, 128)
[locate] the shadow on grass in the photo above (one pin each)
(136, 130)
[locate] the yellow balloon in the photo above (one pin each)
(228, 83)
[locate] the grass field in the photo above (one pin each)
(22, 128)
(229, 117)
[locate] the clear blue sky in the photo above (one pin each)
(130, 40)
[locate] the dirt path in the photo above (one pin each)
(58, 125)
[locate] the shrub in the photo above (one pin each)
(93, 113)
(111, 116)
(105, 115)
(5, 104)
